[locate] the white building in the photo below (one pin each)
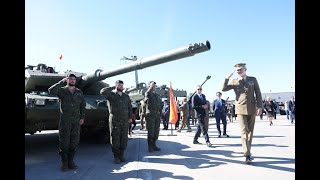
(279, 97)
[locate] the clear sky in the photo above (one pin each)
(93, 34)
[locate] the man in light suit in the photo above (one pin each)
(248, 104)
(199, 103)
(219, 108)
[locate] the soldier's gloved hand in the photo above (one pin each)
(205, 106)
(81, 121)
(130, 121)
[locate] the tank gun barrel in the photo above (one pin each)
(165, 57)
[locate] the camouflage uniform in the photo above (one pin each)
(72, 109)
(184, 108)
(206, 118)
(120, 109)
(142, 114)
(153, 115)
(192, 116)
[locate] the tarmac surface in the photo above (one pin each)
(273, 149)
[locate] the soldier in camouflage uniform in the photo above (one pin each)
(229, 110)
(184, 108)
(206, 118)
(142, 114)
(192, 114)
(153, 115)
(120, 112)
(72, 112)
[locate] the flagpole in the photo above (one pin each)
(60, 58)
(60, 66)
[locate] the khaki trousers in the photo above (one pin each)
(246, 126)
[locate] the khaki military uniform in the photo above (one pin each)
(248, 99)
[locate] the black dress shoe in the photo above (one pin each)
(209, 144)
(219, 136)
(196, 142)
(226, 135)
(248, 159)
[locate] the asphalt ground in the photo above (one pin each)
(273, 149)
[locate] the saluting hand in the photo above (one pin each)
(231, 74)
(64, 79)
(81, 121)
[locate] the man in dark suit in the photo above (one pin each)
(199, 103)
(165, 115)
(292, 107)
(219, 108)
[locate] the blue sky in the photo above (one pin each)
(93, 34)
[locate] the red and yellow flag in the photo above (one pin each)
(173, 107)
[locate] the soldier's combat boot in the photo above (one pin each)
(122, 159)
(116, 159)
(71, 163)
(64, 160)
(155, 147)
(64, 166)
(150, 147)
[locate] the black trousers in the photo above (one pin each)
(201, 128)
(165, 122)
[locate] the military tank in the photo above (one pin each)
(42, 109)
(137, 93)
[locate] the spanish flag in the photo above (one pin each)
(173, 108)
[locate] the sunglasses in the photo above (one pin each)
(199, 89)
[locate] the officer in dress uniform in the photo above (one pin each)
(248, 104)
